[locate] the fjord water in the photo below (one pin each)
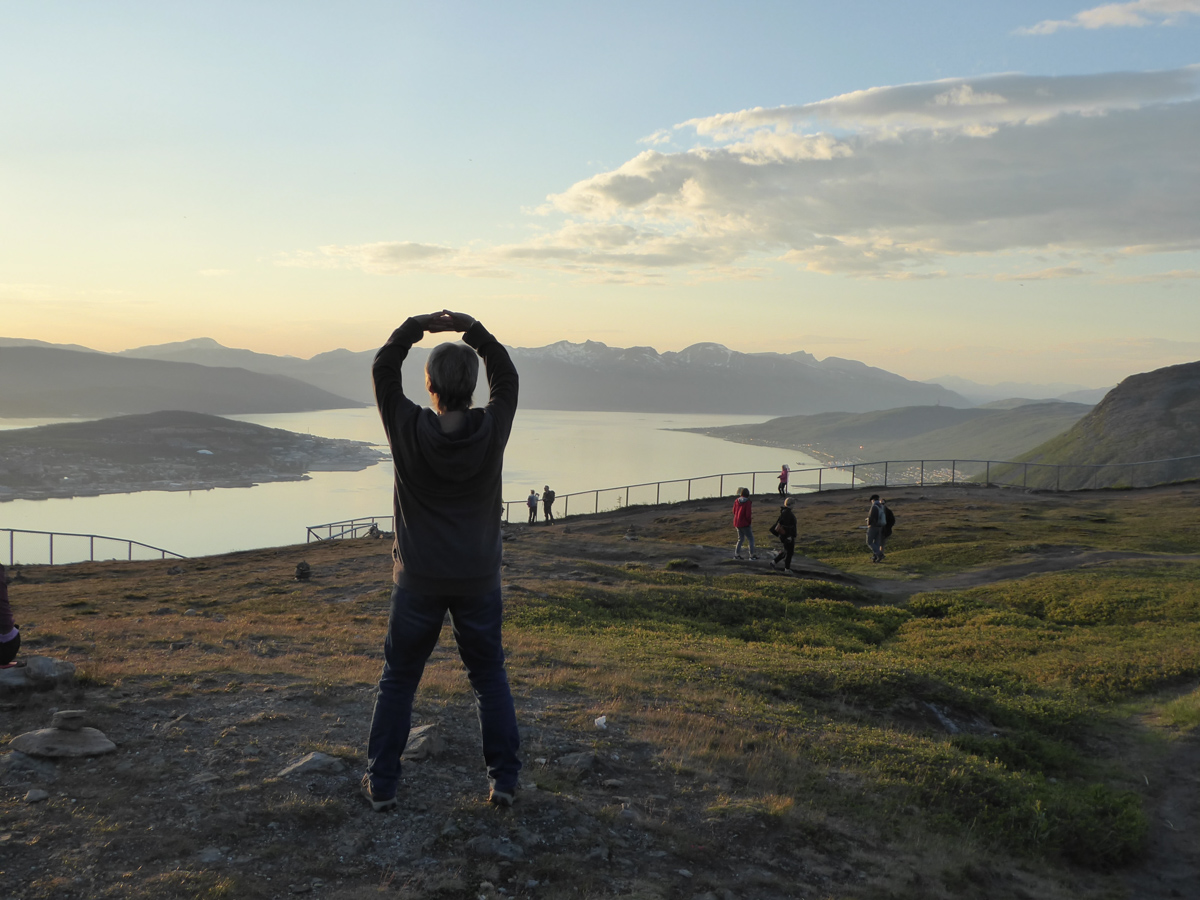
(570, 451)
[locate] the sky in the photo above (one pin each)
(1001, 192)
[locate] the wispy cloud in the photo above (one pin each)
(889, 182)
(1045, 274)
(1136, 14)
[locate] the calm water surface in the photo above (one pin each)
(570, 451)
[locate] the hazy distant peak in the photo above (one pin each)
(30, 342)
(705, 354)
(191, 345)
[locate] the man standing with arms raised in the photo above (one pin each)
(446, 555)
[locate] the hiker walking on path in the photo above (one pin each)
(10, 634)
(785, 529)
(783, 480)
(876, 520)
(447, 550)
(548, 505)
(532, 501)
(889, 521)
(741, 521)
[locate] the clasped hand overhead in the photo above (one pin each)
(444, 321)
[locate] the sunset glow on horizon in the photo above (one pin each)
(1002, 194)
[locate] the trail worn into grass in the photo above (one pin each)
(1171, 865)
(1058, 561)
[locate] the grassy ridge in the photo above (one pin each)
(889, 712)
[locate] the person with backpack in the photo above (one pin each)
(889, 521)
(876, 522)
(785, 529)
(741, 521)
(548, 504)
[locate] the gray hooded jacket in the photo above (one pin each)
(447, 498)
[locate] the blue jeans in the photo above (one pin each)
(413, 629)
(744, 534)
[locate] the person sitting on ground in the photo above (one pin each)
(548, 504)
(447, 548)
(876, 521)
(785, 529)
(741, 521)
(10, 634)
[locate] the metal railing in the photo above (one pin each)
(367, 526)
(72, 551)
(849, 476)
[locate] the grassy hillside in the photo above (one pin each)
(1001, 710)
(1152, 416)
(914, 432)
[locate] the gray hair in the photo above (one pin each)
(451, 370)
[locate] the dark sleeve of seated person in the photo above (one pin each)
(10, 636)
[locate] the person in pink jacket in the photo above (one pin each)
(741, 521)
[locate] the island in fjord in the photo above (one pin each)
(164, 451)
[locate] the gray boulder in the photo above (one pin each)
(314, 763)
(423, 743)
(55, 743)
(40, 673)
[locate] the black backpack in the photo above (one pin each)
(889, 519)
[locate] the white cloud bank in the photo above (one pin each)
(889, 182)
(1137, 14)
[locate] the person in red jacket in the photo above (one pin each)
(741, 521)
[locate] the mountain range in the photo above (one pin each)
(703, 378)
(1002, 431)
(50, 381)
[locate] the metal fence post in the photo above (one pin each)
(689, 489)
(597, 501)
(819, 473)
(987, 474)
(92, 549)
(953, 466)
(626, 496)
(885, 465)
(753, 487)
(52, 548)
(657, 493)
(922, 473)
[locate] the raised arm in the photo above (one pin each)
(503, 383)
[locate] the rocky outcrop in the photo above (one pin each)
(40, 673)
